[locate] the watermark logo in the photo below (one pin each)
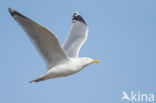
(137, 96)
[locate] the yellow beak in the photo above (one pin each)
(95, 61)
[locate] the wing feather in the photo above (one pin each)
(44, 40)
(76, 37)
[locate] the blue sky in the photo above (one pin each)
(122, 36)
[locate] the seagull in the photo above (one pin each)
(62, 60)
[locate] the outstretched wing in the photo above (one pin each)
(45, 41)
(77, 36)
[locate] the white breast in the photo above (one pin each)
(65, 69)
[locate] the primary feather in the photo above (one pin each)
(76, 37)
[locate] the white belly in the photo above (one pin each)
(63, 70)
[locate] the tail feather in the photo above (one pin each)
(37, 80)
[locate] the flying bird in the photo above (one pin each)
(60, 60)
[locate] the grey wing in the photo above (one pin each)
(45, 41)
(76, 37)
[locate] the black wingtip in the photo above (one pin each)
(11, 11)
(14, 13)
(77, 17)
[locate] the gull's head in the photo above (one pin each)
(86, 61)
